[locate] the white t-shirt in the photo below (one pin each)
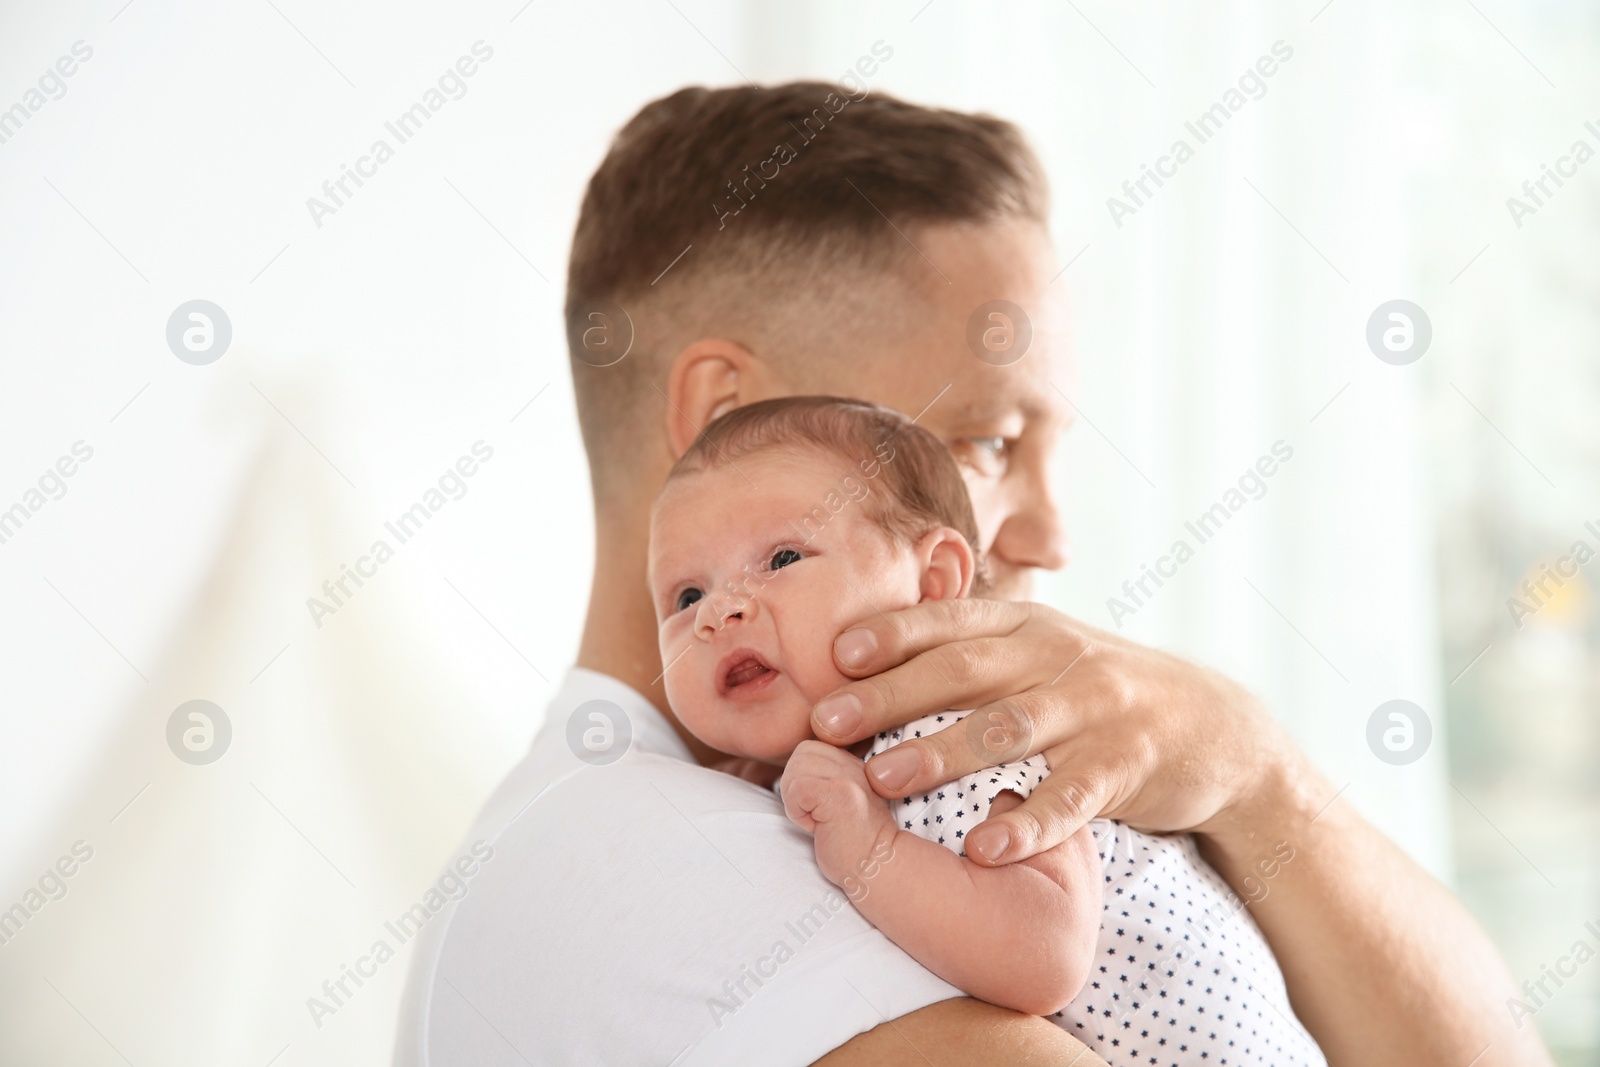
(641, 911)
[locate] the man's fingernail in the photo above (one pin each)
(840, 714)
(855, 647)
(991, 844)
(893, 769)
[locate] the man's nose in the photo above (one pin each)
(716, 612)
(1034, 535)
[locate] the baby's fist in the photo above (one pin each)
(825, 793)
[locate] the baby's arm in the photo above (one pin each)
(1021, 936)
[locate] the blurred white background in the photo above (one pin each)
(371, 351)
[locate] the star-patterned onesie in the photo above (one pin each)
(1182, 975)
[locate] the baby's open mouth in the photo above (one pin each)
(744, 671)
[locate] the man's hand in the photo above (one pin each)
(1163, 745)
(825, 793)
(1129, 732)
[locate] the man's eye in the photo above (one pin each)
(986, 455)
(688, 597)
(993, 446)
(783, 557)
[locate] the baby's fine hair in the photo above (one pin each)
(912, 482)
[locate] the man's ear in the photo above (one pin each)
(948, 564)
(709, 378)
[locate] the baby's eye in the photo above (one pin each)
(688, 597)
(783, 557)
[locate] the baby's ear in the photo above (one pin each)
(947, 564)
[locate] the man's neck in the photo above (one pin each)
(620, 634)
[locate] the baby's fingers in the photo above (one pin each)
(811, 799)
(800, 799)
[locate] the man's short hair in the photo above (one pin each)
(721, 209)
(902, 476)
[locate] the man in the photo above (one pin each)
(641, 907)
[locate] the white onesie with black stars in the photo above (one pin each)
(1182, 975)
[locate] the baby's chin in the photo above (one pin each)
(776, 752)
(768, 730)
(767, 745)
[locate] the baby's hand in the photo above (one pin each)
(825, 793)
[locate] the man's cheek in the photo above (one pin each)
(985, 510)
(1008, 583)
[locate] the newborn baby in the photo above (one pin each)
(791, 519)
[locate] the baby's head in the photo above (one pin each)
(785, 523)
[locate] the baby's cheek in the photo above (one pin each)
(812, 670)
(674, 690)
(687, 691)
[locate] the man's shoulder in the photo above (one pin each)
(651, 888)
(663, 891)
(551, 793)
(561, 828)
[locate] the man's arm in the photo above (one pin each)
(1363, 934)
(955, 1033)
(1383, 965)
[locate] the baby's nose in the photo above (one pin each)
(717, 612)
